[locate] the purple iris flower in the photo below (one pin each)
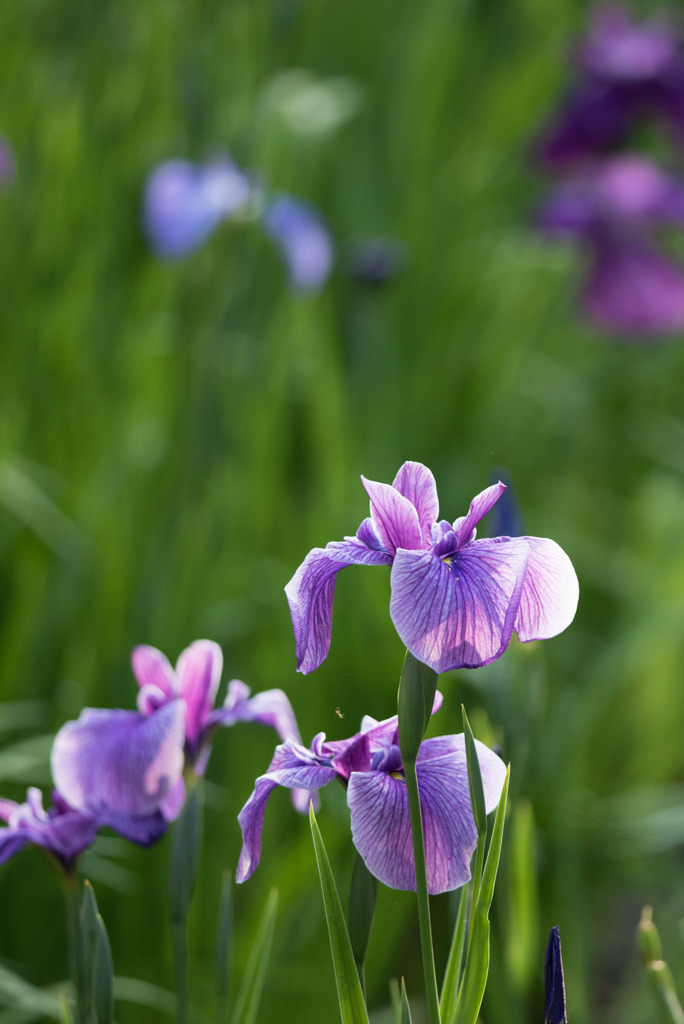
(184, 202)
(626, 70)
(613, 208)
(456, 601)
(62, 831)
(195, 681)
(369, 767)
(304, 241)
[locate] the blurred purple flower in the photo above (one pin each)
(613, 209)
(300, 232)
(184, 202)
(626, 70)
(195, 681)
(62, 831)
(123, 768)
(456, 601)
(369, 767)
(7, 163)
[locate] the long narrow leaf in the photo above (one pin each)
(224, 948)
(249, 996)
(452, 975)
(405, 1008)
(350, 996)
(477, 963)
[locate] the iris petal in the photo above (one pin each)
(395, 517)
(119, 761)
(199, 673)
(416, 482)
(310, 595)
(458, 615)
(550, 592)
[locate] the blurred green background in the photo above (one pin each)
(175, 437)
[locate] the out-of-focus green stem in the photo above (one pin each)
(431, 991)
(77, 965)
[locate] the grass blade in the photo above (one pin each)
(350, 995)
(249, 996)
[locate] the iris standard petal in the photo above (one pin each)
(310, 595)
(199, 672)
(119, 761)
(152, 668)
(550, 592)
(458, 613)
(395, 517)
(178, 213)
(416, 482)
(479, 507)
(293, 767)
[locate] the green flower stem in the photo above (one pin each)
(76, 950)
(431, 991)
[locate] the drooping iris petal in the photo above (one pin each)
(304, 241)
(120, 761)
(634, 289)
(199, 673)
(310, 595)
(479, 507)
(416, 482)
(395, 517)
(381, 825)
(294, 767)
(550, 592)
(271, 707)
(458, 614)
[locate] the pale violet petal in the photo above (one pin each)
(550, 592)
(198, 672)
(479, 507)
(416, 482)
(395, 517)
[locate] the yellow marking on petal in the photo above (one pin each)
(397, 775)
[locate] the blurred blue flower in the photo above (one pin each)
(302, 236)
(194, 683)
(613, 208)
(374, 261)
(456, 601)
(625, 71)
(7, 163)
(184, 202)
(369, 767)
(554, 1005)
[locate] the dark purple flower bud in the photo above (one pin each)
(302, 236)
(369, 766)
(184, 202)
(456, 600)
(554, 1007)
(376, 260)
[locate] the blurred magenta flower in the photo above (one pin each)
(625, 70)
(302, 236)
(123, 768)
(184, 202)
(195, 681)
(62, 831)
(369, 767)
(613, 208)
(456, 601)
